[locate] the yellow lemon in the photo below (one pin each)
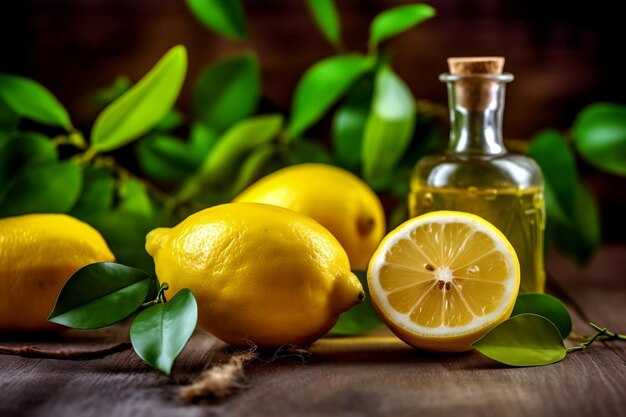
(259, 273)
(38, 254)
(442, 280)
(337, 199)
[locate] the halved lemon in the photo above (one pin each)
(442, 280)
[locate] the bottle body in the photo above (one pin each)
(476, 174)
(506, 190)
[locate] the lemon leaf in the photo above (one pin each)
(99, 295)
(225, 17)
(160, 332)
(321, 86)
(360, 318)
(32, 100)
(546, 306)
(327, 19)
(21, 150)
(8, 119)
(227, 91)
(97, 193)
(398, 19)
(600, 136)
(389, 127)
(523, 340)
(43, 188)
(141, 107)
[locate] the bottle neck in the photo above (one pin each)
(476, 108)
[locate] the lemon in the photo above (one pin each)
(442, 280)
(334, 197)
(38, 253)
(259, 273)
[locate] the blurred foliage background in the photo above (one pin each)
(280, 82)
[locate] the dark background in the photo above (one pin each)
(563, 54)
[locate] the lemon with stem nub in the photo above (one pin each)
(260, 273)
(442, 280)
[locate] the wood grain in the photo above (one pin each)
(373, 375)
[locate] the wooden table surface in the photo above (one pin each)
(374, 375)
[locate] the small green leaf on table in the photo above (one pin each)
(546, 306)
(523, 340)
(327, 19)
(31, 100)
(99, 295)
(389, 126)
(398, 19)
(143, 105)
(160, 332)
(225, 17)
(236, 142)
(43, 188)
(321, 86)
(360, 318)
(228, 91)
(600, 136)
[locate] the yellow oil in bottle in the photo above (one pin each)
(518, 213)
(476, 174)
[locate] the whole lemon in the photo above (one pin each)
(336, 198)
(259, 273)
(38, 253)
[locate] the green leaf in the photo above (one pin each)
(327, 19)
(252, 166)
(236, 142)
(360, 318)
(172, 120)
(31, 100)
(389, 126)
(547, 306)
(225, 17)
(321, 86)
(349, 124)
(109, 94)
(160, 332)
(21, 151)
(581, 237)
(165, 158)
(600, 136)
(43, 188)
(143, 106)
(523, 340)
(398, 19)
(556, 160)
(227, 91)
(8, 119)
(134, 198)
(97, 193)
(99, 295)
(302, 151)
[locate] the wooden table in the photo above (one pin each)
(373, 375)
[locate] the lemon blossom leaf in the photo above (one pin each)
(321, 86)
(30, 99)
(546, 306)
(100, 294)
(600, 136)
(236, 142)
(327, 19)
(523, 340)
(389, 127)
(227, 91)
(225, 17)
(360, 318)
(140, 108)
(398, 19)
(43, 188)
(160, 332)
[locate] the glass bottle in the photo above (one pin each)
(476, 174)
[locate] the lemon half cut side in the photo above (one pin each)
(442, 280)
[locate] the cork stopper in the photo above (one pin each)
(475, 93)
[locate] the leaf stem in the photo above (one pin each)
(602, 332)
(161, 295)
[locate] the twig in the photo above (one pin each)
(66, 354)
